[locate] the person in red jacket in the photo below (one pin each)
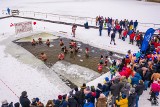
(132, 35)
(118, 27)
(138, 38)
(124, 34)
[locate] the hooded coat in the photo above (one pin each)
(122, 102)
(125, 89)
(155, 87)
(25, 102)
(132, 100)
(135, 79)
(102, 101)
(115, 88)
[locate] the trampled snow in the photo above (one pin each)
(19, 74)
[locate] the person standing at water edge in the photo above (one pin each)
(74, 29)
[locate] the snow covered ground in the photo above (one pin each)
(20, 74)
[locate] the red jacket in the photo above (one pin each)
(155, 87)
(138, 37)
(117, 27)
(125, 33)
(132, 36)
(127, 72)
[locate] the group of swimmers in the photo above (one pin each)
(40, 42)
(73, 49)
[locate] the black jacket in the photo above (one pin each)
(113, 35)
(132, 100)
(25, 102)
(72, 102)
(139, 89)
(115, 89)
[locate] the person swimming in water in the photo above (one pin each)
(43, 57)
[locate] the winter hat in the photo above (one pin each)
(155, 58)
(128, 86)
(99, 86)
(24, 94)
(154, 52)
(123, 96)
(150, 59)
(132, 90)
(4, 102)
(17, 104)
(142, 57)
(37, 99)
(64, 96)
(60, 97)
(136, 61)
(76, 89)
(134, 54)
(127, 56)
(88, 88)
(106, 79)
(92, 88)
(84, 85)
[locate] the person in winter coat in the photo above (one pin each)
(132, 35)
(25, 102)
(123, 102)
(132, 98)
(138, 37)
(126, 72)
(82, 96)
(88, 103)
(50, 103)
(87, 91)
(135, 79)
(125, 90)
(109, 29)
(17, 104)
(33, 104)
(100, 29)
(58, 102)
(78, 96)
(155, 89)
(139, 90)
(113, 38)
(120, 32)
(124, 34)
(115, 90)
(147, 78)
(72, 102)
(5, 103)
(102, 101)
(135, 25)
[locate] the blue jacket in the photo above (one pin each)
(135, 24)
(135, 79)
(88, 104)
(100, 27)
